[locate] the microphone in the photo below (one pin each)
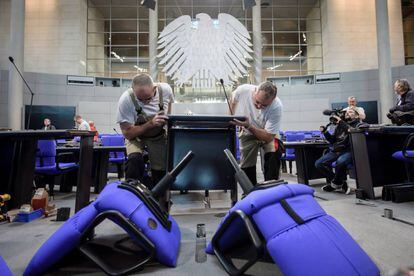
(11, 59)
(115, 131)
(225, 94)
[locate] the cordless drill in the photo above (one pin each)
(3, 208)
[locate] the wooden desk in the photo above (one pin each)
(306, 153)
(372, 153)
(18, 157)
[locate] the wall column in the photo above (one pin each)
(153, 37)
(384, 58)
(17, 13)
(257, 42)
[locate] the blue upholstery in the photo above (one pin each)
(318, 246)
(292, 137)
(399, 156)
(67, 237)
(349, 166)
(4, 269)
(114, 140)
(46, 159)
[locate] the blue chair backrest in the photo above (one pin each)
(293, 137)
(46, 153)
(113, 140)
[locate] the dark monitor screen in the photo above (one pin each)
(60, 116)
(210, 169)
(370, 108)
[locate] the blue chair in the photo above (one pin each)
(4, 269)
(406, 156)
(290, 153)
(48, 163)
(117, 158)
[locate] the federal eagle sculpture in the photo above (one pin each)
(205, 50)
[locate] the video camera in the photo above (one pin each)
(331, 112)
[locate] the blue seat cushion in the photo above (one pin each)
(4, 269)
(399, 156)
(349, 166)
(116, 159)
(52, 170)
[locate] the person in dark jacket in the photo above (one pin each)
(47, 125)
(340, 152)
(405, 96)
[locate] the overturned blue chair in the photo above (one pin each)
(4, 269)
(135, 209)
(287, 222)
(48, 164)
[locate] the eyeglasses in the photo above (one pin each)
(149, 99)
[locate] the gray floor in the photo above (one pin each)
(389, 243)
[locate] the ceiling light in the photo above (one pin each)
(150, 4)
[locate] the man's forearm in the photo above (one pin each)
(261, 134)
(132, 131)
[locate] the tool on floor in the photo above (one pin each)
(389, 214)
(364, 202)
(3, 207)
(286, 220)
(200, 253)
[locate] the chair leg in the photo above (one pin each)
(290, 167)
(284, 167)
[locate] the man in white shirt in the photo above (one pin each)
(81, 123)
(141, 115)
(263, 110)
(352, 104)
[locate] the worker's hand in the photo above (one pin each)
(245, 124)
(392, 109)
(337, 117)
(159, 120)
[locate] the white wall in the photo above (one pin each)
(349, 34)
(55, 36)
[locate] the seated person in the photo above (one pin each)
(405, 96)
(403, 112)
(352, 104)
(93, 128)
(81, 124)
(339, 152)
(48, 124)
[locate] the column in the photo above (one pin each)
(153, 37)
(384, 59)
(257, 42)
(15, 112)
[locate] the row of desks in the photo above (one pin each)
(372, 150)
(18, 157)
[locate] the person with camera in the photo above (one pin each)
(142, 114)
(340, 151)
(400, 113)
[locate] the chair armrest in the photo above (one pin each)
(407, 143)
(62, 154)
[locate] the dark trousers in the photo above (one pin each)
(135, 169)
(324, 165)
(271, 167)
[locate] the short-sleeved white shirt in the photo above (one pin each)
(126, 110)
(267, 118)
(84, 126)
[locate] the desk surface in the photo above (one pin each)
(305, 144)
(384, 129)
(204, 118)
(24, 134)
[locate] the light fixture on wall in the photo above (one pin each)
(304, 37)
(247, 4)
(295, 55)
(117, 56)
(139, 69)
(150, 4)
(274, 67)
